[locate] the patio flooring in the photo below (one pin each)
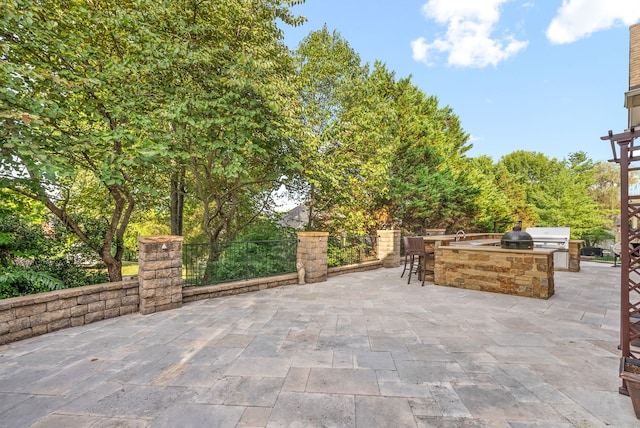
(360, 350)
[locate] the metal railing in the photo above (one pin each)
(348, 250)
(207, 264)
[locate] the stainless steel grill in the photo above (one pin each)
(553, 238)
(550, 237)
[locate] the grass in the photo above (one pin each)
(129, 268)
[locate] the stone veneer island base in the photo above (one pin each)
(526, 273)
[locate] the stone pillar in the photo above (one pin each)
(312, 253)
(389, 248)
(574, 255)
(160, 273)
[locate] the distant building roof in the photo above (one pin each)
(297, 218)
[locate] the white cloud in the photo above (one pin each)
(468, 40)
(577, 19)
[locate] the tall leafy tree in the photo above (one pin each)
(73, 101)
(557, 192)
(431, 182)
(329, 71)
(356, 156)
(231, 110)
(113, 96)
(606, 186)
(498, 205)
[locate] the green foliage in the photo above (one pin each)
(98, 100)
(46, 275)
(494, 203)
(17, 281)
(266, 229)
(596, 236)
(20, 239)
(12, 203)
(231, 107)
(432, 183)
(76, 111)
(349, 120)
(102, 103)
(345, 250)
(263, 248)
(32, 258)
(556, 193)
(250, 259)
(380, 152)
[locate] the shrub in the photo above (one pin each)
(18, 281)
(32, 259)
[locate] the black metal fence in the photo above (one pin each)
(348, 250)
(206, 264)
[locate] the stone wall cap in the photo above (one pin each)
(159, 239)
(492, 249)
(313, 234)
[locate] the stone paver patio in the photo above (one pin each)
(360, 350)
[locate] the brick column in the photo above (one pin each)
(160, 273)
(312, 253)
(389, 248)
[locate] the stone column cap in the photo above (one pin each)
(159, 239)
(313, 234)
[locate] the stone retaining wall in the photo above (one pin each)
(192, 294)
(22, 317)
(158, 287)
(360, 267)
(525, 273)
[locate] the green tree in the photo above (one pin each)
(431, 183)
(557, 192)
(354, 178)
(75, 105)
(606, 186)
(330, 76)
(100, 101)
(379, 151)
(33, 257)
(230, 114)
(495, 203)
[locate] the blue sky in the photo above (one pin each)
(541, 75)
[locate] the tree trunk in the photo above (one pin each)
(114, 267)
(177, 200)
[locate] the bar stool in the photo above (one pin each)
(415, 249)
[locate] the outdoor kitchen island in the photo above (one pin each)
(521, 272)
(476, 261)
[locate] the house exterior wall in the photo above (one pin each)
(634, 57)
